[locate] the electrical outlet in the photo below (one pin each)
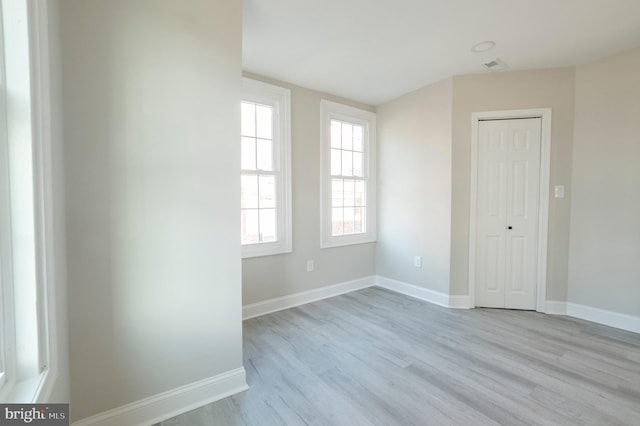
(310, 265)
(417, 261)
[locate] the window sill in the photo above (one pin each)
(27, 391)
(347, 240)
(259, 250)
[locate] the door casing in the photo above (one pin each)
(543, 213)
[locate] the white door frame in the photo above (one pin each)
(543, 212)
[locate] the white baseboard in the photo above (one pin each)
(407, 289)
(163, 406)
(297, 299)
(552, 307)
(601, 316)
(459, 302)
(597, 315)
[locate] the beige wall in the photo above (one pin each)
(414, 190)
(280, 275)
(552, 88)
(151, 119)
(604, 267)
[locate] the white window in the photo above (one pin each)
(26, 289)
(265, 188)
(348, 175)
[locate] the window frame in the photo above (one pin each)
(279, 99)
(36, 383)
(7, 359)
(335, 111)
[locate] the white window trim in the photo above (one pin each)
(280, 99)
(7, 329)
(38, 387)
(329, 111)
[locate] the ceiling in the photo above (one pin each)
(375, 50)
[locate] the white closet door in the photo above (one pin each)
(507, 209)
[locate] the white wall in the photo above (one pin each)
(151, 121)
(604, 266)
(414, 187)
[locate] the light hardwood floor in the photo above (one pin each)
(374, 357)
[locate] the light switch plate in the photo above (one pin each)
(559, 191)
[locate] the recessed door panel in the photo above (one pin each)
(495, 179)
(518, 199)
(496, 140)
(493, 271)
(516, 261)
(521, 140)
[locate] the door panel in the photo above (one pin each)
(492, 211)
(507, 213)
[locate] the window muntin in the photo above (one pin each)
(348, 175)
(265, 188)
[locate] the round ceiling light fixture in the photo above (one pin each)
(483, 46)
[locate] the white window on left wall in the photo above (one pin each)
(28, 366)
(265, 180)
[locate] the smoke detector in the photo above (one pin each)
(495, 65)
(483, 46)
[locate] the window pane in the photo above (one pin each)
(336, 221)
(249, 191)
(347, 163)
(248, 154)
(335, 134)
(267, 192)
(337, 193)
(265, 155)
(248, 119)
(349, 190)
(357, 145)
(359, 194)
(358, 220)
(348, 220)
(264, 119)
(357, 164)
(249, 226)
(358, 132)
(347, 136)
(267, 225)
(336, 162)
